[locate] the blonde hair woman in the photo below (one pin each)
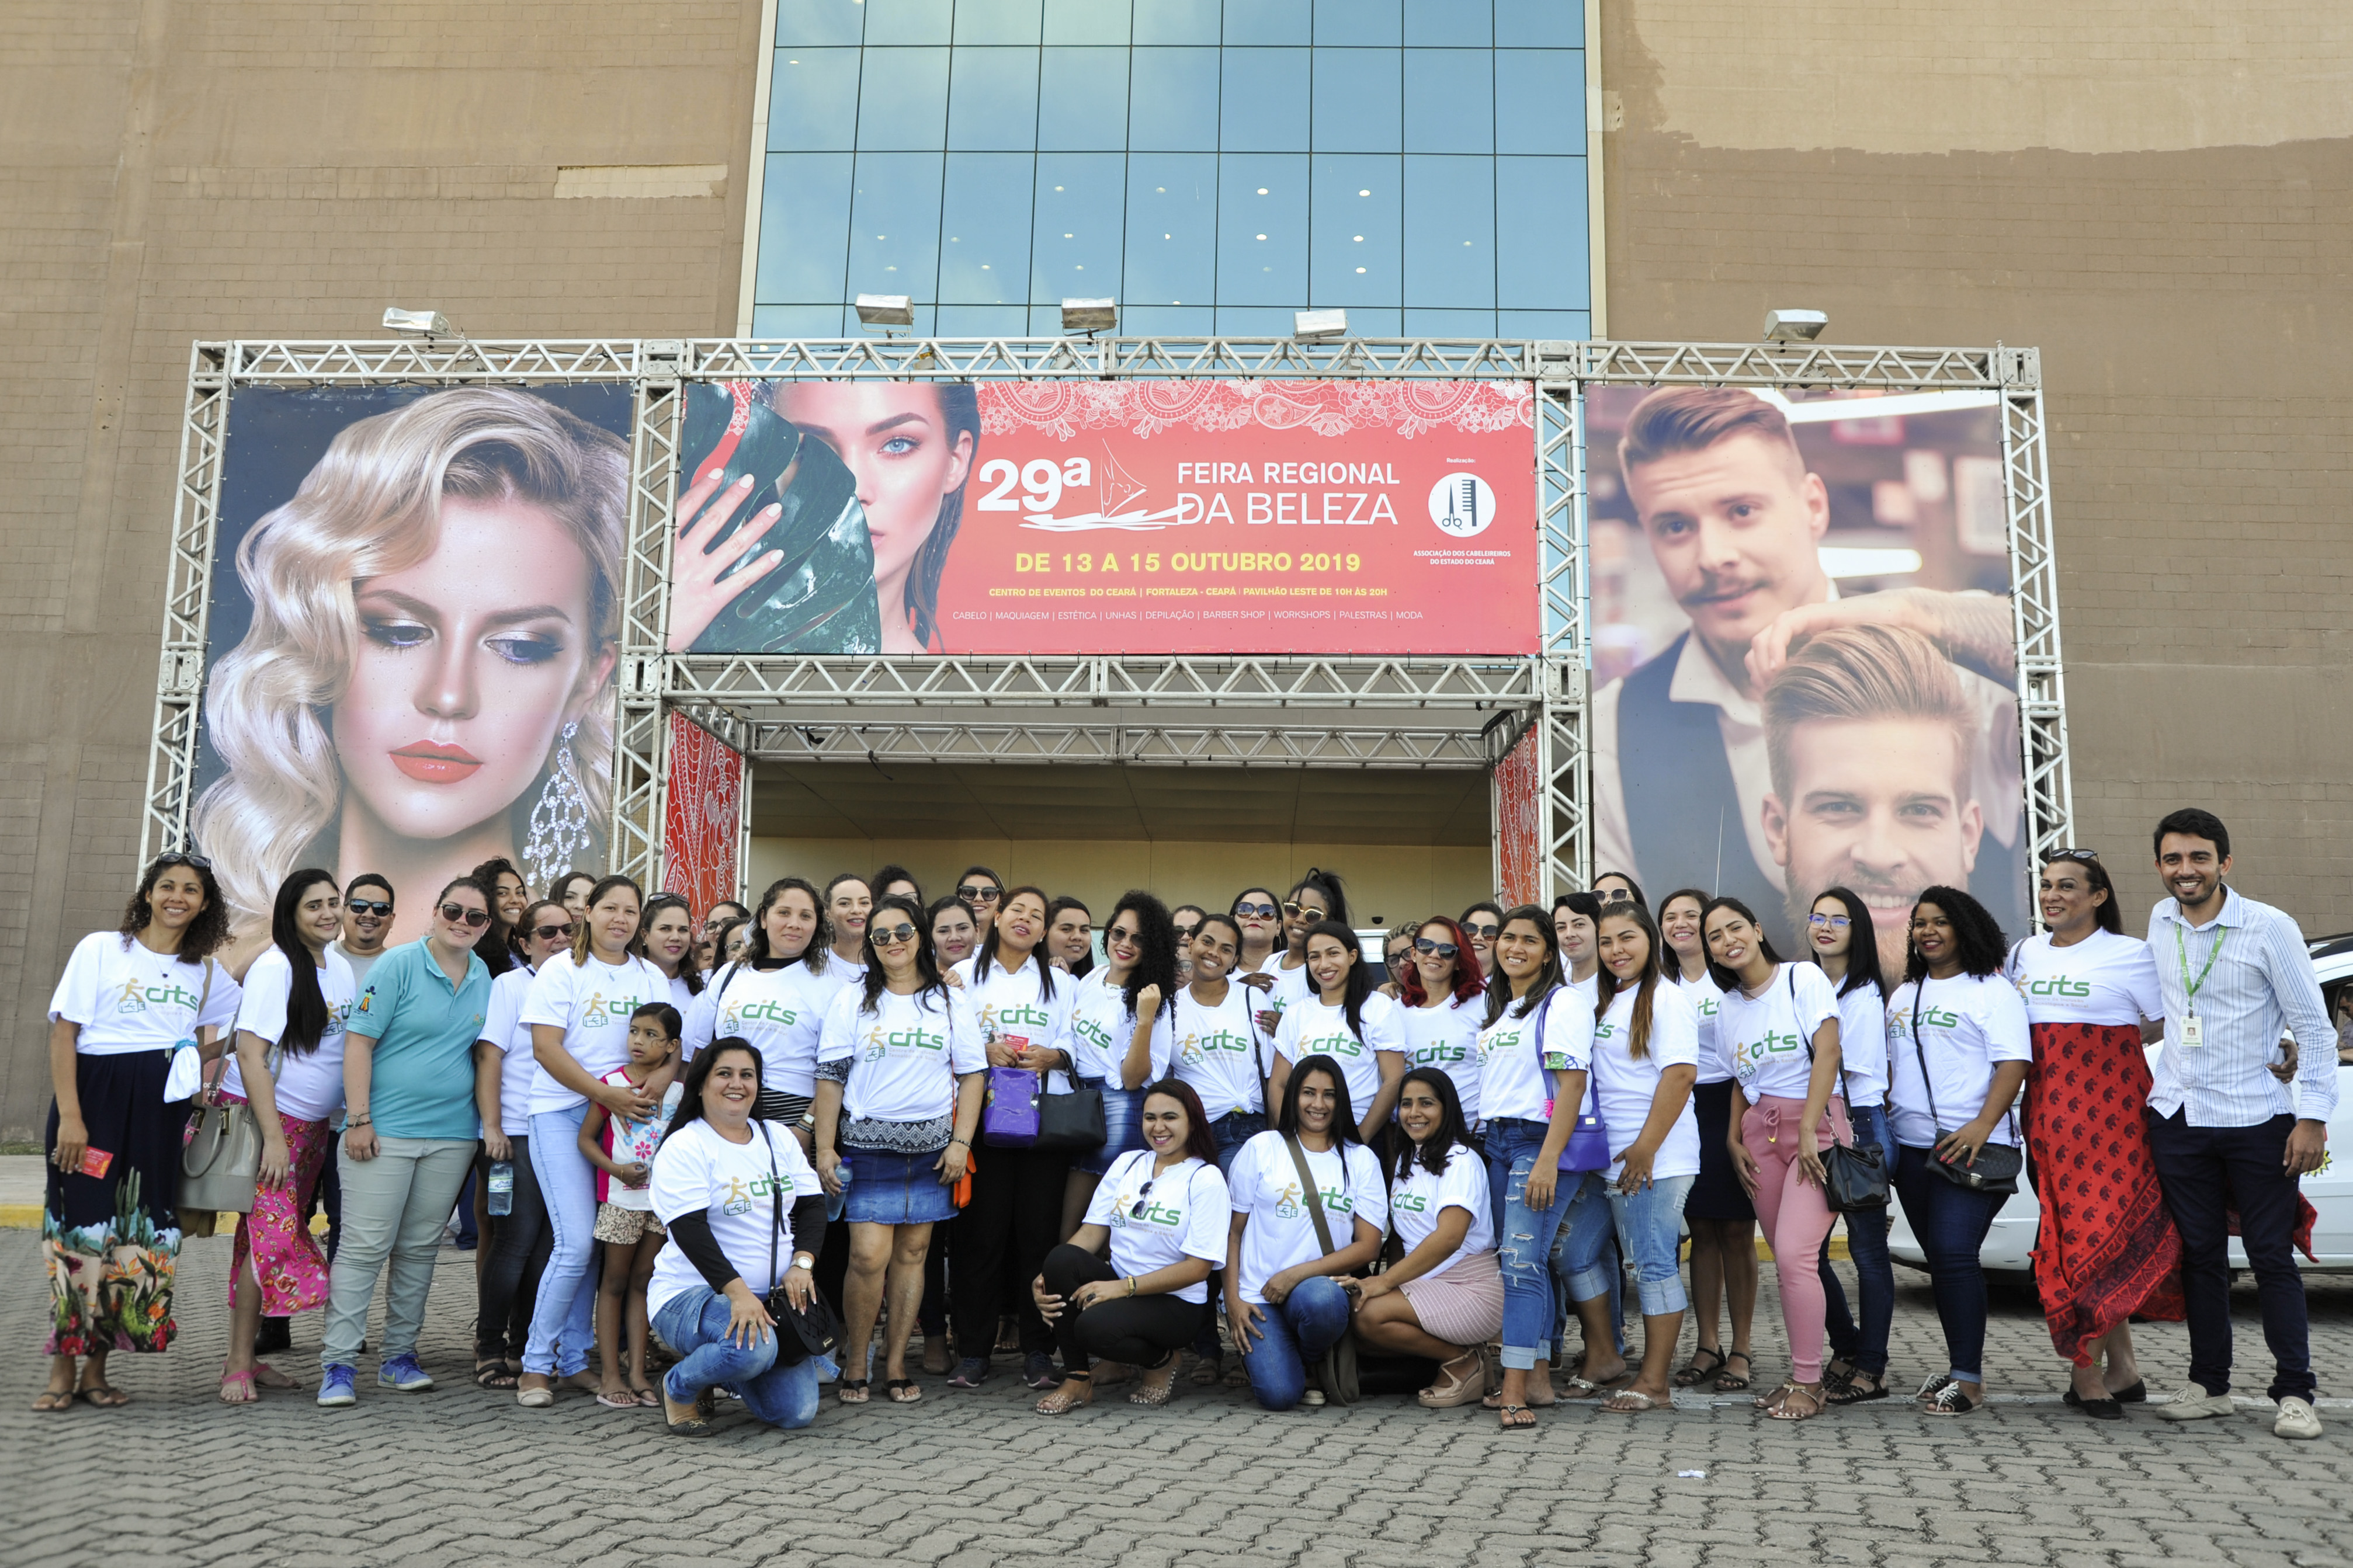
(427, 682)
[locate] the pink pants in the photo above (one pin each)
(1795, 1217)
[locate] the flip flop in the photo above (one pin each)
(905, 1390)
(647, 1398)
(242, 1382)
(1517, 1418)
(625, 1400)
(1630, 1401)
(104, 1395)
(50, 1400)
(851, 1391)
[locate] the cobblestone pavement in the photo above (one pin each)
(458, 1476)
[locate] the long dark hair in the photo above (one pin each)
(688, 970)
(1451, 1128)
(1281, 940)
(1861, 943)
(1155, 938)
(496, 948)
(984, 956)
(1983, 948)
(1358, 986)
(565, 879)
(698, 1073)
(206, 934)
(893, 872)
(755, 946)
(1548, 975)
(306, 1005)
(1200, 1144)
(927, 963)
(960, 412)
(1606, 985)
(582, 943)
(1727, 981)
(1344, 1120)
(2111, 919)
(1335, 897)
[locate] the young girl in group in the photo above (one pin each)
(622, 1150)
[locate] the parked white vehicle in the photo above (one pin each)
(2010, 1245)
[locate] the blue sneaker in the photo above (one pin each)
(403, 1373)
(335, 1388)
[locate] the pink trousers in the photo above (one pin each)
(1795, 1217)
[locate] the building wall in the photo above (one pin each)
(2157, 195)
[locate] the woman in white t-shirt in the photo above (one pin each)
(1959, 1046)
(1442, 997)
(1283, 979)
(1219, 1050)
(289, 1067)
(1122, 1036)
(1841, 937)
(1444, 1299)
(772, 997)
(1346, 1020)
(1778, 1023)
(2091, 1004)
(1160, 1211)
(1721, 1219)
(130, 1002)
(1257, 914)
(514, 1242)
(578, 1010)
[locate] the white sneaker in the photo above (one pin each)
(2194, 1403)
(2297, 1419)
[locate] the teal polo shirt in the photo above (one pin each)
(422, 1085)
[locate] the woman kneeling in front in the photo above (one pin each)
(1163, 1209)
(735, 1194)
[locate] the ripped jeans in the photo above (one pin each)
(1523, 1238)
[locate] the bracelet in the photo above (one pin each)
(1130, 1284)
(351, 1122)
(954, 1141)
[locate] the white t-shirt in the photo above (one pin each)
(1011, 1004)
(128, 999)
(308, 1085)
(1101, 1028)
(591, 1003)
(2103, 979)
(1715, 1067)
(1220, 1052)
(1281, 1232)
(1415, 1201)
(775, 1009)
(1511, 1084)
(682, 997)
(696, 1169)
(1863, 1046)
(823, 988)
(1184, 1216)
(1626, 1089)
(1967, 1025)
(1447, 1037)
(503, 1027)
(1311, 1027)
(906, 1056)
(1770, 1038)
(628, 1142)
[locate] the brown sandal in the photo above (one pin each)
(1788, 1411)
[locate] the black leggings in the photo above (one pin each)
(1003, 1234)
(1139, 1331)
(519, 1243)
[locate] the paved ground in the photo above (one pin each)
(461, 1477)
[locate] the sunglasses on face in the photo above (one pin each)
(1296, 910)
(369, 906)
(1439, 949)
(549, 933)
(1617, 896)
(973, 894)
(1490, 933)
(892, 936)
(1184, 934)
(1256, 911)
(1835, 922)
(459, 914)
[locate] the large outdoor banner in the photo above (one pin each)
(702, 816)
(1803, 651)
(413, 628)
(1077, 517)
(1521, 822)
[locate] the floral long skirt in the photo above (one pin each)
(113, 1242)
(288, 1261)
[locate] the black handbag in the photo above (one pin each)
(801, 1332)
(1997, 1165)
(1071, 1124)
(1854, 1175)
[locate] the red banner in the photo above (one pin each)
(1519, 823)
(702, 816)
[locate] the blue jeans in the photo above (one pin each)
(693, 1324)
(564, 1318)
(1651, 1232)
(1233, 1129)
(1523, 1237)
(2201, 1169)
(1295, 1335)
(1950, 1223)
(1583, 1261)
(1866, 1244)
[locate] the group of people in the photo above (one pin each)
(967, 1123)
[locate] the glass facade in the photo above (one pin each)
(1211, 166)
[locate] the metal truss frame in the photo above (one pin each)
(1225, 710)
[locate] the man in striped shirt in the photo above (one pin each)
(2235, 975)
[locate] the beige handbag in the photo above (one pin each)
(221, 1161)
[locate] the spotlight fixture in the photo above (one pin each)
(1319, 326)
(1089, 315)
(1794, 326)
(885, 312)
(428, 323)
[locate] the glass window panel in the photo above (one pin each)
(1086, 21)
(1362, 22)
(993, 99)
(813, 101)
(820, 22)
(1540, 100)
(997, 21)
(1376, 321)
(1539, 24)
(1544, 324)
(1082, 99)
(983, 320)
(985, 228)
(902, 100)
(1172, 229)
(1173, 102)
(1080, 214)
(1269, 22)
(1177, 21)
(908, 21)
(804, 227)
(1265, 101)
(1356, 100)
(1450, 100)
(1255, 321)
(1167, 321)
(894, 229)
(1450, 233)
(1262, 229)
(1543, 260)
(796, 320)
(1449, 324)
(1455, 24)
(1354, 255)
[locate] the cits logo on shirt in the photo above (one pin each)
(1343, 1045)
(1710, 1005)
(737, 1195)
(2057, 985)
(880, 1045)
(1605, 1031)
(136, 997)
(1198, 1047)
(1123, 1214)
(1939, 1018)
(600, 1009)
(1409, 1203)
(1094, 1034)
(1498, 1042)
(1771, 1043)
(1439, 1052)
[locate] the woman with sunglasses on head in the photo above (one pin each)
(901, 1072)
(1023, 1005)
(2108, 1250)
(983, 891)
(1122, 1035)
(1960, 1045)
(1186, 919)
(1317, 898)
(517, 1243)
(578, 1008)
(1841, 938)
(1162, 1212)
(1721, 1219)
(666, 935)
(1616, 887)
(1284, 1304)
(1396, 957)
(1481, 924)
(1444, 999)
(1346, 1020)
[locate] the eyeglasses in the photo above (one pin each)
(2052, 855)
(457, 913)
(549, 933)
(1402, 955)
(1256, 911)
(1439, 948)
(1836, 922)
(1141, 1198)
(1296, 910)
(973, 893)
(892, 936)
(369, 906)
(1489, 931)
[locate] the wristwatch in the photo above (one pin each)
(804, 1261)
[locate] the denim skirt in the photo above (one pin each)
(889, 1188)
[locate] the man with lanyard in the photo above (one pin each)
(2222, 1128)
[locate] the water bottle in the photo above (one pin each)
(834, 1203)
(502, 1189)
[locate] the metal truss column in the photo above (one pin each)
(641, 731)
(180, 679)
(2034, 608)
(1565, 762)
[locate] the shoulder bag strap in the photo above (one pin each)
(777, 1206)
(1315, 1198)
(1846, 1090)
(1919, 994)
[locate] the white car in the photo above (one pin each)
(2010, 1245)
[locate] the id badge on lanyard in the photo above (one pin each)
(2193, 1029)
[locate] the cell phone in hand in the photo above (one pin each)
(95, 1162)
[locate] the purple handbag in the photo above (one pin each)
(1008, 1117)
(1589, 1141)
